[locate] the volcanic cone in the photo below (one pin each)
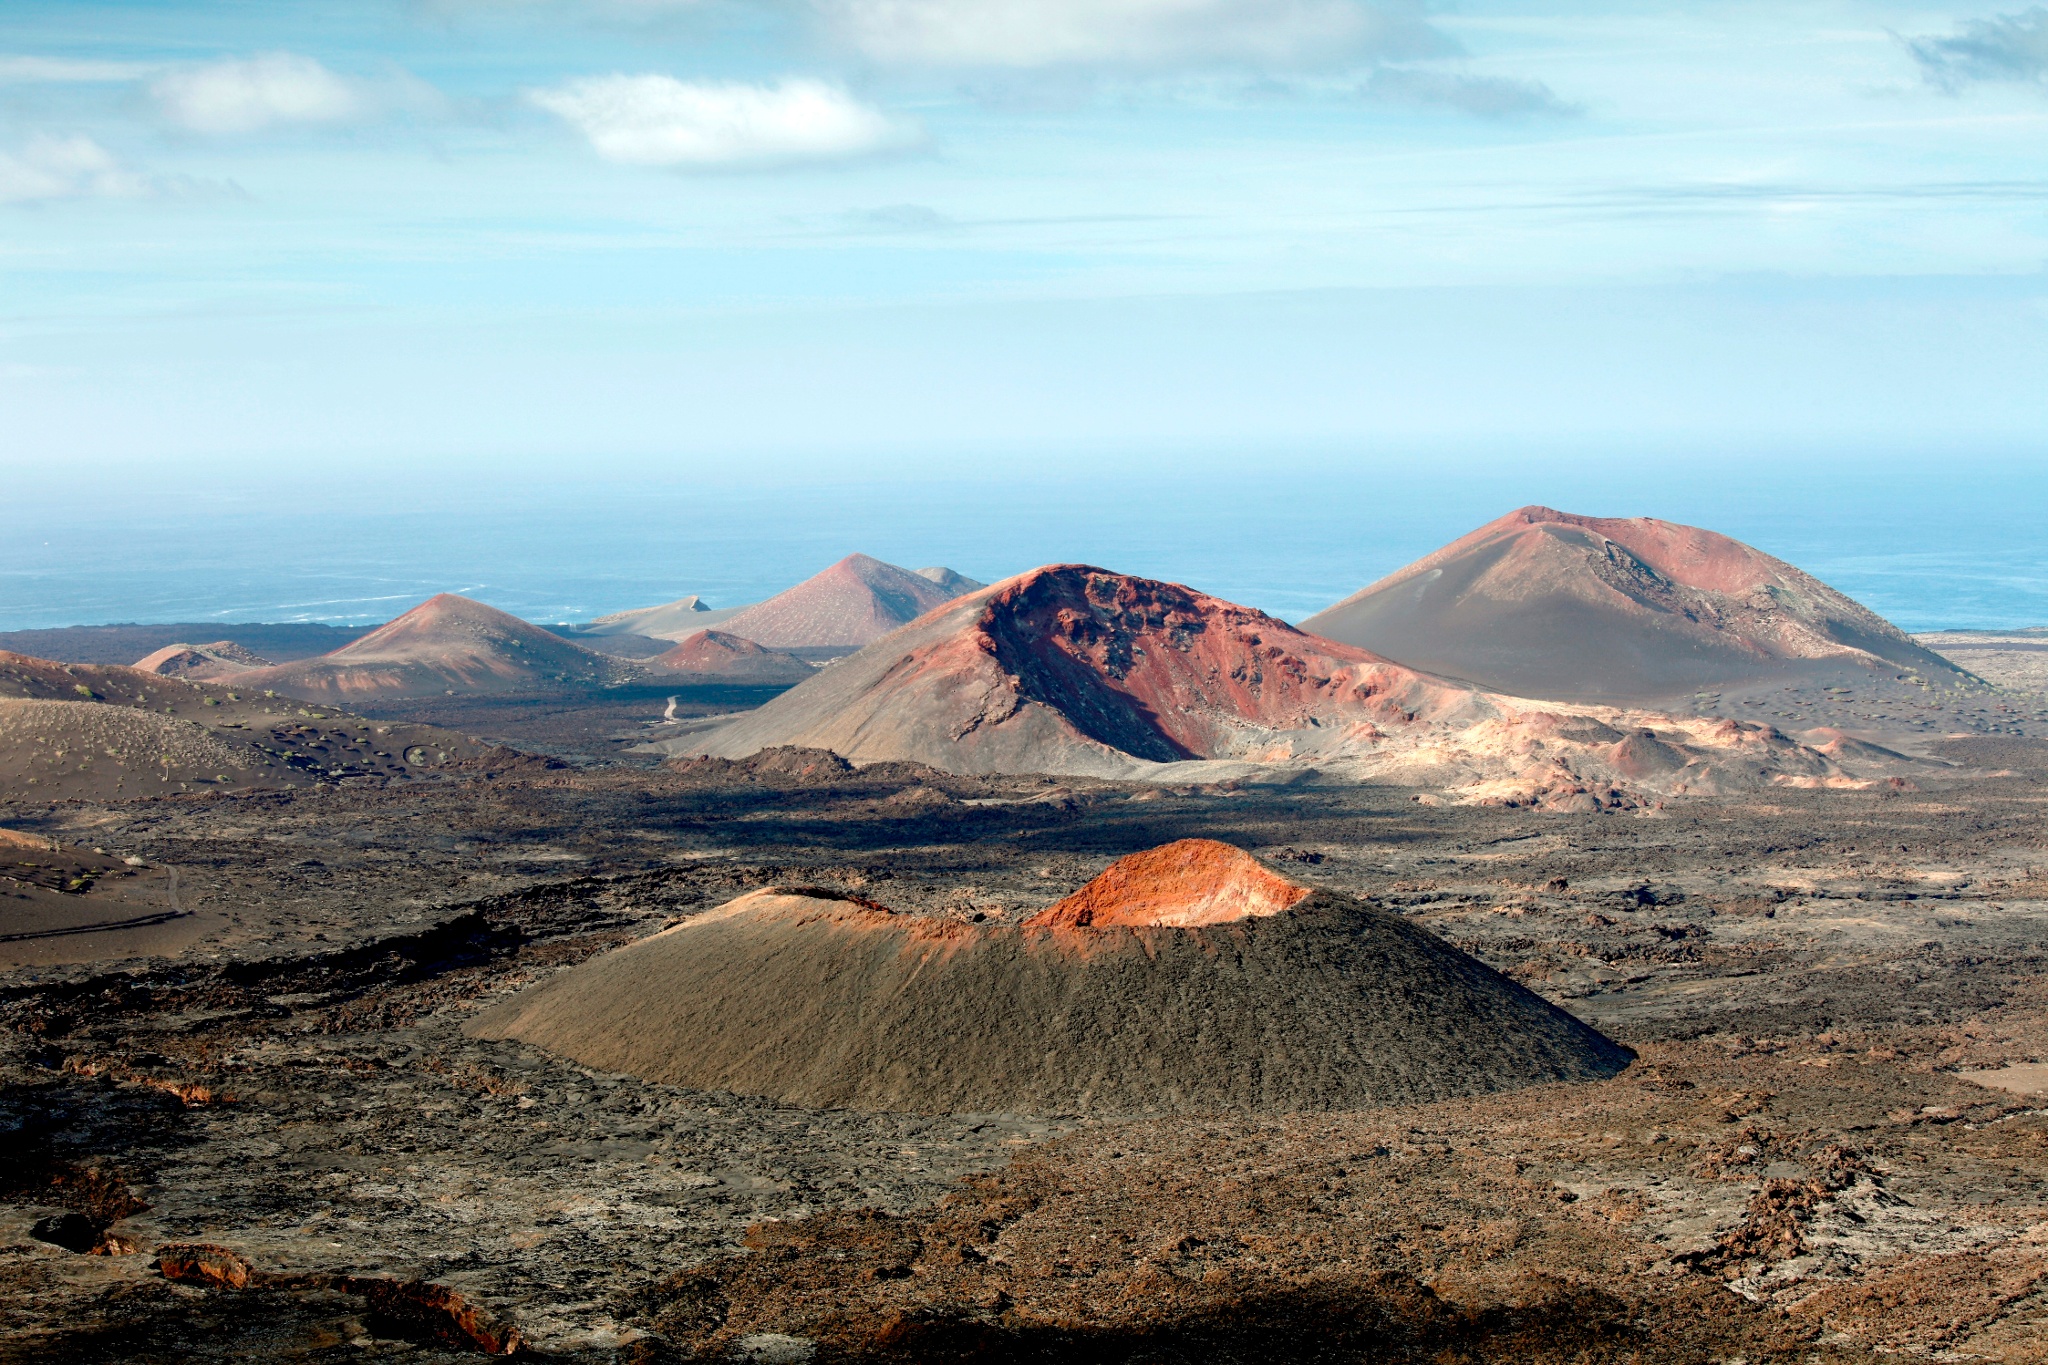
(1542, 603)
(1186, 979)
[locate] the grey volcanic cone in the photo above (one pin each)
(1545, 604)
(1196, 981)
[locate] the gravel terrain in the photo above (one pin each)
(284, 1147)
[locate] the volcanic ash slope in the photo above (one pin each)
(1546, 604)
(100, 733)
(445, 644)
(718, 657)
(1185, 979)
(1076, 670)
(855, 602)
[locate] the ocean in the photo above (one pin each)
(1926, 541)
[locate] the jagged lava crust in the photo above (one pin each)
(1304, 1000)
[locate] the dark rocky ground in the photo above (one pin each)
(1800, 1167)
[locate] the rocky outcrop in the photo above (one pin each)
(435, 1308)
(214, 662)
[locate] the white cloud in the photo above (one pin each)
(64, 71)
(1024, 34)
(661, 121)
(66, 168)
(1487, 96)
(2008, 47)
(238, 95)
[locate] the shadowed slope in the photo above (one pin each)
(1545, 604)
(1071, 669)
(446, 644)
(856, 601)
(1330, 1004)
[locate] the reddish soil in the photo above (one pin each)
(1162, 671)
(720, 654)
(1076, 669)
(1187, 882)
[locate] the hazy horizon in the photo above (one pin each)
(1928, 542)
(317, 294)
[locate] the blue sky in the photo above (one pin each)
(741, 237)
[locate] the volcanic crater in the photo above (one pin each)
(1189, 978)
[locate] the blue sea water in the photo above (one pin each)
(1929, 543)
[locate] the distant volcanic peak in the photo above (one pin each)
(1542, 603)
(222, 658)
(446, 644)
(722, 653)
(1161, 671)
(959, 584)
(1184, 884)
(712, 644)
(1688, 556)
(441, 617)
(1075, 669)
(853, 603)
(683, 607)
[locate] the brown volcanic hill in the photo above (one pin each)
(124, 643)
(1071, 669)
(716, 656)
(221, 659)
(677, 620)
(1544, 604)
(445, 644)
(853, 603)
(958, 584)
(99, 733)
(1161, 1005)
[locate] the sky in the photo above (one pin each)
(797, 239)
